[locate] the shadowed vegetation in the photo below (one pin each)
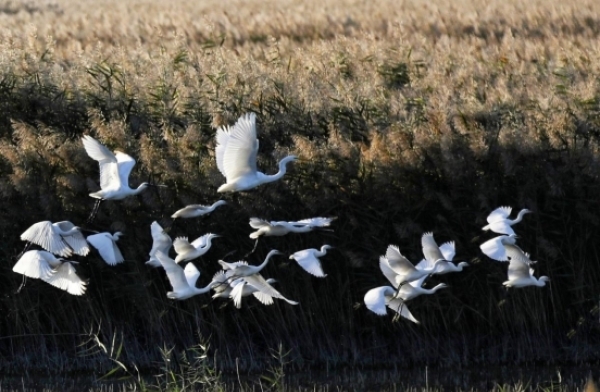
(409, 119)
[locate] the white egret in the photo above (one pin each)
(241, 269)
(404, 269)
(378, 298)
(308, 259)
(448, 250)
(114, 173)
(496, 248)
(241, 288)
(222, 288)
(412, 289)
(282, 228)
(195, 210)
(189, 251)
(160, 241)
(61, 238)
(520, 273)
(182, 280)
(498, 221)
(106, 244)
(236, 151)
(60, 273)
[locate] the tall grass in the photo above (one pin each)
(407, 118)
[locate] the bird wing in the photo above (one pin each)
(425, 265)
(78, 243)
(502, 227)
(124, 164)
(397, 262)
(237, 292)
(494, 249)
(66, 278)
(448, 250)
(222, 284)
(33, 264)
(107, 248)
(182, 245)
(419, 282)
(514, 251)
(519, 269)
(175, 273)
(314, 222)
(239, 155)
(109, 169)
(263, 286)
(201, 242)
(399, 306)
(431, 250)
(264, 298)
(387, 271)
(375, 301)
(257, 223)
(160, 239)
(191, 274)
(307, 260)
(499, 214)
(44, 235)
(222, 137)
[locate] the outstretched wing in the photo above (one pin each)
(33, 264)
(107, 248)
(387, 271)
(182, 245)
(124, 164)
(191, 274)
(263, 286)
(65, 278)
(375, 301)
(175, 273)
(399, 306)
(239, 155)
(78, 243)
(431, 250)
(309, 262)
(314, 222)
(44, 235)
(109, 170)
(499, 214)
(448, 250)
(397, 262)
(257, 223)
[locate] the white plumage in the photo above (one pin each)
(161, 241)
(279, 228)
(61, 238)
(196, 210)
(182, 280)
(308, 259)
(498, 221)
(378, 298)
(189, 251)
(106, 244)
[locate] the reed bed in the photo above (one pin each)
(407, 118)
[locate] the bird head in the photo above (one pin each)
(117, 234)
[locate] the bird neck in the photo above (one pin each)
(321, 252)
(519, 217)
(282, 170)
(139, 189)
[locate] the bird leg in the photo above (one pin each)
(27, 246)
(253, 249)
(22, 284)
(92, 216)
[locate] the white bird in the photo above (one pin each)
(498, 221)
(378, 298)
(251, 274)
(114, 173)
(195, 210)
(189, 251)
(308, 259)
(236, 151)
(241, 288)
(412, 289)
(106, 244)
(222, 288)
(160, 241)
(182, 280)
(448, 251)
(405, 271)
(282, 228)
(498, 248)
(520, 274)
(61, 238)
(39, 264)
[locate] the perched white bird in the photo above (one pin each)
(182, 280)
(189, 251)
(236, 151)
(106, 244)
(241, 288)
(160, 241)
(448, 250)
(498, 221)
(378, 298)
(251, 274)
(194, 210)
(282, 228)
(412, 289)
(520, 273)
(405, 271)
(60, 273)
(114, 173)
(61, 238)
(309, 260)
(498, 248)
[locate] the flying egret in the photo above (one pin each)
(189, 251)
(160, 241)
(520, 273)
(194, 210)
(412, 289)
(308, 259)
(236, 151)
(61, 238)
(405, 271)
(223, 287)
(282, 228)
(241, 288)
(378, 298)
(496, 248)
(114, 173)
(498, 221)
(448, 250)
(106, 244)
(241, 269)
(60, 273)
(182, 280)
